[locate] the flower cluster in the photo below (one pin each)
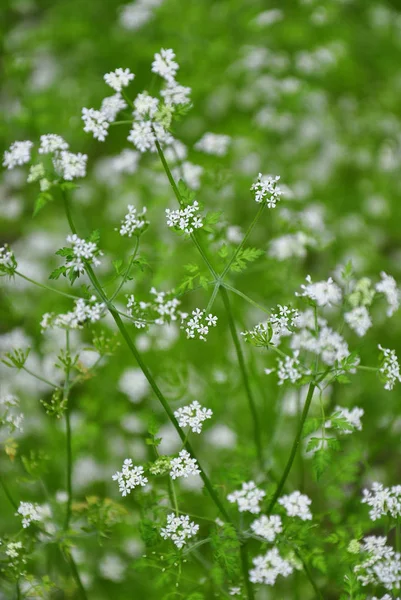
(193, 415)
(267, 527)
(266, 190)
(389, 368)
(119, 79)
(197, 324)
(297, 505)
(129, 477)
(359, 320)
(266, 568)
(18, 154)
(324, 293)
(84, 311)
(383, 565)
(281, 323)
(183, 466)
(383, 501)
(70, 166)
(134, 222)
(214, 144)
(29, 512)
(289, 369)
(51, 142)
(162, 309)
(96, 122)
(8, 263)
(185, 219)
(179, 529)
(165, 65)
(82, 252)
(388, 287)
(247, 498)
(8, 416)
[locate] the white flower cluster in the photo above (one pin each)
(185, 219)
(290, 245)
(96, 122)
(266, 190)
(388, 287)
(183, 466)
(165, 65)
(324, 293)
(129, 477)
(179, 529)
(384, 501)
(133, 222)
(119, 79)
(297, 505)
(289, 369)
(163, 308)
(383, 565)
(29, 512)
(266, 568)
(8, 264)
(280, 324)
(8, 417)
(15, 553)
(111, 106)
(84, 311)
(70, 166)
(359, 320)
(247, 498)
(197, 324)
(328, 344)
(18, 154)
(82, 251)
(267, 527)
(193, 415)
(389, 368)
(51, 142)
(214, 144)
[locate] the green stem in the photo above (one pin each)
(18, 591)
(309, 575)
(39, 377)
(245, 297)
(8, 494)
(126, 274)
(68, 435)
(75, 573)
(213, 297)
(244, 240)
(45, 287)
(245, 571)
(244, 374)
(294, 449)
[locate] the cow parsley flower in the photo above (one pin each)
(134, 222)
(359, 320)
(29, 512)
(383, 565)
(383, 501)
(51, 142)
(193, 415)
(388, 287)
(82, 251)
(8, 415)
(183, 466)
(164, 64)
(142, 136)
(95, 122)
(198, 324)
(84, 311)
(297, 505)
(8, 263)
(69, 165)
(266, 190)
(145, 106)
(175, 94)
(389, 367)
(247, 498)
(129, 477)
(289, 369)
(179, 529)
(119, 79)
(18, 154)
(267, 527)
(111, 106)
(267, 568)
(324, 293)
(214, 144)
(185, 219)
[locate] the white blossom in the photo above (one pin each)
(18, 154)
(179, 529)
(247, 498)
(133, 222)
(383, 501)
(297, 505)
(51, 142)
(83, 251)
(214, 144)
(142, 136)
(145, 106)
(359, 320)
(267, 527)
(383, 565)
(266, 190)
(119, 79)
(193, 415)
(186, 219)
(175, 94)
(129, 477)
(266, 568)
(324, 293)
(29, 512)
(111, 106)
(69, 165)
(164, 64)
(84, 311)
(389, 368)
(183, 466)
(388, 287)
(198, 324)
(96, 123)
(353, 417)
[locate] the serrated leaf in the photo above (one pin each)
(191, 268)
(66, 252)
(311, 425)
(117, 264)
(223, 252)
(58, 272)
(94, 236)
(40, 202)
(244, 256)
(321, 461)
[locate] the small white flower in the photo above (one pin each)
(193, 415)
(247, 498)
(95, 122)
(267, 527)
(266, 568)
(297, 505)
(197, 324)
(359, 320)
(185, 219)
(51, 142)
(214, 144)
(142, 136)
(69, 165)
(133, 222)
(129, 477)
(324, 293)
(145, 106)
(18, 154)
(175, 94)
(388, 287)
(119, 79)
(266, 190)
(111, 106)
(179, 529)
(29, 512)
(164, 64)
(183, 466)
(390, 368)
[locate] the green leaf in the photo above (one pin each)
(66, 252)
(41, 201)
(58, 272)
(244, 256)
(94, 236)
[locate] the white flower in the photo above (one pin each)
(297, 505)
(234, 591)
(197, 325)
(69, 165)
(384, 501)
(183, 466)
(388, 287)
(29, 512)
(142, 136)
(84, 311)
(390, 368)
(324, 293)
(18, 154)
(164, 64)
(8, 264)
(112, 105)
(213, 143)
(133, 222)
(267, 568)
(383, 565)
(174, 94)
(247, 498)
(352, 416)
(186, 219)
(119, 79)
(266, 190)
(289, 369)
(179, 529)
(145, 106)
(129, 477)
(51, 142)
(95, 122)
(267, 527)
(193, 415)
(82, 251)
(359, 320)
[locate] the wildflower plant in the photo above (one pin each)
(282, 496)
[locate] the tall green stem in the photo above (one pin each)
(294, 448)
(8, 494)
(244, 374)
(245, 571)
(68, 434)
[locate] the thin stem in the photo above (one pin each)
(68, 434)
(294, 448)
(18, 591)
(213, 297)
(244, 374)
(309, 575)
(245, 571)
(39, 377)
(245, 297)
(45, 287)
(68, 213)
(126, 274)
(8, 494)
(244, 240)
(76, 576)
